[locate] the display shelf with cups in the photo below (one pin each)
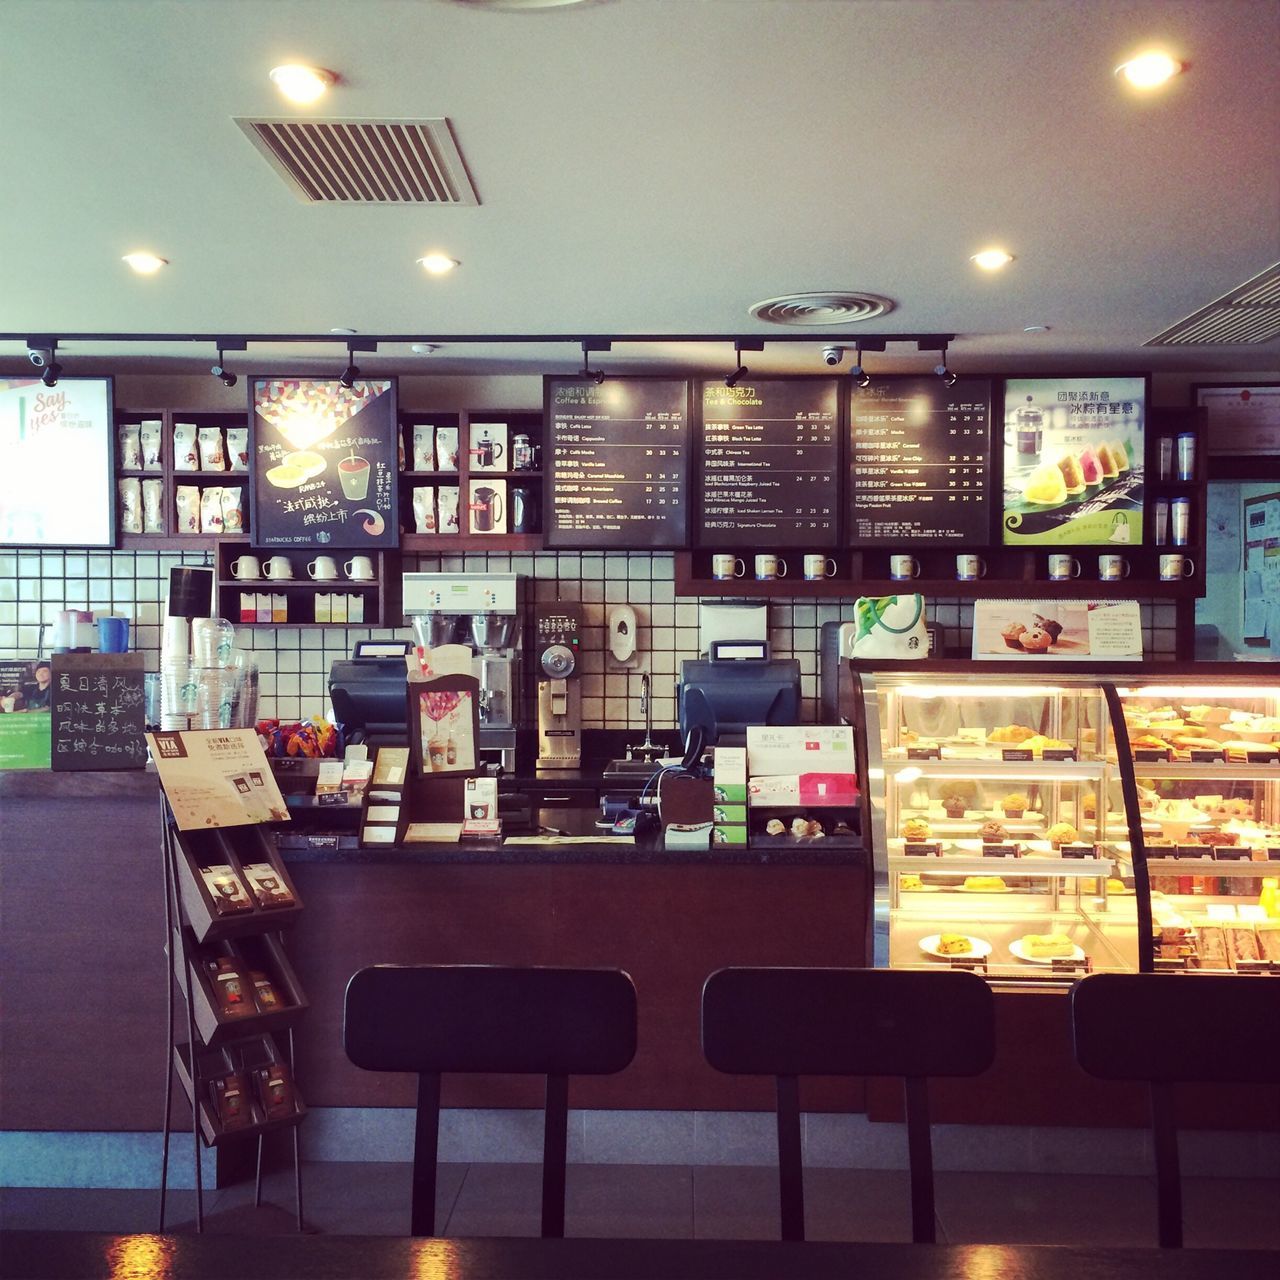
(471, 481)
(304, 588)
(181, 478)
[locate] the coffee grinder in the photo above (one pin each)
(558, 661)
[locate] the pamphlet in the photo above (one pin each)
(216, 778)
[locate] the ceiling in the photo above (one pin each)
(645, 167)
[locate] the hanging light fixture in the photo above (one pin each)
(741, 371)
(592, 375)
(221, 372)
(858, 375)
(948, 378)
(347, 378)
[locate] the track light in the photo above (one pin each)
(52, 371)
(948, 378)
(222, 373)
(741, 371)
(592, 375)
(859, 376)
(347, 378)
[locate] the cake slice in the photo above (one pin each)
(1045, 946)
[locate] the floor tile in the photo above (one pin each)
(1231, 1213)
(117, 1211)
(735, 1203)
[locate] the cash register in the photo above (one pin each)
(370, 696)
(736, 686)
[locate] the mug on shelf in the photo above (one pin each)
(247, 568)
(323, 568)
(1174, 567)
(1111, 568)
(817, 567)
(1063, 567)
(903, 568)
(359, 569)
(725, 567)
(278, 568)
(970, 567)
(769, 568)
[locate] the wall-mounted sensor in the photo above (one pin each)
(622, 632)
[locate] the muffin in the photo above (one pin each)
(1012, 635)
(1036, 640)
(954, 807)
(1050, 625)
(993, 832)
(1014, 804)
(916, 829)
(1089, 804)
(1062, 833)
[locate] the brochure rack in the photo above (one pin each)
(228, 898)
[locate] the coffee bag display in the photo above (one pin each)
(149, 434)
(238, 448)
(618, 457)
(130, 456)
(153, 506)
(424, 447)
(130, 506)
(213, 456)
(186, 454)
(232, 508)
(186, 501)
(424, 508)
(447, 509)
(446, 448)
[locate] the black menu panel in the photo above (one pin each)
(921, 460)
(98, 708)
(770, 460)
(618, 464)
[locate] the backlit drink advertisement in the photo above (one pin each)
(56, 487)
(1073, 461)
(325, 463)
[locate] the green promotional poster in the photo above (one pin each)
(25, 695)
(1073, 460)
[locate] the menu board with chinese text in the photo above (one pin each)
(325, 462)
(770, 457)
(618, 464)
(921, 462)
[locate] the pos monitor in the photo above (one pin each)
(739, 686)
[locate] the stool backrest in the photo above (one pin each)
(860, 1022)
(432, 1019)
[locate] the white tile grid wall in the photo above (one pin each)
(294, 662)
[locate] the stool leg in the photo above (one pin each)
(920, 1158)
(1164, 1136)
(554, 1155)
(790, 1159)
(426, 1137)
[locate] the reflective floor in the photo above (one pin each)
(681, 1201)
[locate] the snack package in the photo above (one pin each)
(186, 501)
(213, 456)
(130, 506)
(130, 447)
(447, 508)
(185, 457)
(149, 436)
(153, 506)
(211, 510)
(424, 444)
(225, 890)
(232, 508)
(424, 508)
(238, 448)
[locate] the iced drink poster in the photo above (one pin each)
(325, 463)
(1073, 459)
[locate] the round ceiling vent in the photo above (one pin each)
(822, 308)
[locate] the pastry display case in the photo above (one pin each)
(1000, 833)
(1206, 760)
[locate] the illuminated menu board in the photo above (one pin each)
(618, 464)
(921, 462)
(770, 458)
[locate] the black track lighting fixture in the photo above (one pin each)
(741, 371)
(588, 346)
(221, 372)
(40, 352)
(948, 378)
(859, 376)
(52, 372)
(347, 378)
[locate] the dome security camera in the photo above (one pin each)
(41, 357)
(832, 355)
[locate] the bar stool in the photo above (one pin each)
(1166, 1028)
(432, 1019)
(858, 1022)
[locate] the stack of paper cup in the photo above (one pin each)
(176, 640)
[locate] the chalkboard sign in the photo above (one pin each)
(325, 462)
(770, 459)
(98, 709)
(921, 463)
(619, 458)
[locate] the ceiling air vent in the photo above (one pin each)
(1250, 313)
(821, 308)
(365, 161)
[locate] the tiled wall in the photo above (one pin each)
(294, 661)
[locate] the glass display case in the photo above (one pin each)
(1000, 833)
(1206, 760)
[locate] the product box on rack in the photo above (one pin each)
(730, 775)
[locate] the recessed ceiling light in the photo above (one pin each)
(424, 348)
(145, 264)
(438, 264)
(1149, 70)
(344, 332)
(992, 259)
(302, 84)
(1036, 328)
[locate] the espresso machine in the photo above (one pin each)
(558, 661)
(483, 611)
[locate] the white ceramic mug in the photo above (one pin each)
(818, 566)
(970, 567)
(247, 568)
(1111, 568)
(1062, 567)
(278, 567)
(1173, 567)
(903, 568)
(323, 568)
(358, 568)
(769, 568)
(725, 567)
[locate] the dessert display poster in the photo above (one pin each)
(1025, 630)
(1073, 461)
(216, 778)
(325, 463)
(55, 486)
